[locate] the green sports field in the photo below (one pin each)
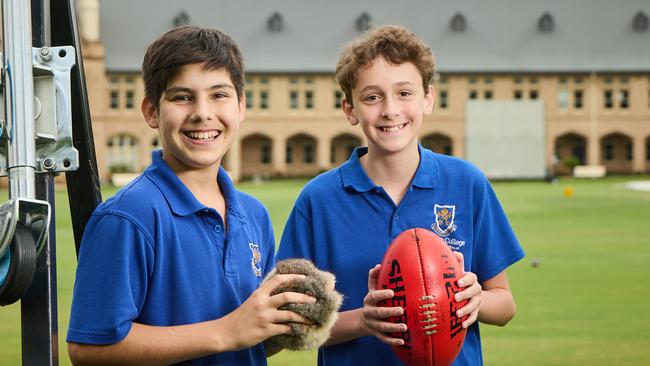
(585, 303)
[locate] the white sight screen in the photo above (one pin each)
(506, 139)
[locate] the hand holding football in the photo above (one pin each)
(422, 272)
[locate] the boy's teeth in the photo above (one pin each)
(202, 135)
(394, 128)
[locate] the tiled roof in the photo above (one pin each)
(487, 35)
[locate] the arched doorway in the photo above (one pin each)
(301, 155)
(341, 148)
(438, 143)
(570, 150)
(256, 156)
(617, 151)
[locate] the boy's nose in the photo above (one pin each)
(390, 109)
(202, 112)
(198, 117)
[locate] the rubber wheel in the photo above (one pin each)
(21, 268)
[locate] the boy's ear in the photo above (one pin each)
(149, 112)
(348, 110)
(429, 99)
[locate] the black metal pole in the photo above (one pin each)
(83, 184)
(39, 315)
(38, 307)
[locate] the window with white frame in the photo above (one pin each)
(122, 153)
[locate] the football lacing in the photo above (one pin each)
(430, 321)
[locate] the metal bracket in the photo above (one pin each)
(52, 112)
(34, 214)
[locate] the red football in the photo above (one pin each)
(422, 271)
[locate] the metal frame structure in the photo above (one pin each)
(43, 134)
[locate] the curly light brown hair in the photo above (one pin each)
(395, 43)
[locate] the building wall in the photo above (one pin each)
(292, 111)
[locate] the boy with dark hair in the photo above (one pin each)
(345, 219)
(169, 267)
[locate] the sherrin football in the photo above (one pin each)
(422, 272)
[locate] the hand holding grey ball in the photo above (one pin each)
(322, 313)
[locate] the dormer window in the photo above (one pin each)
(458, 23)
(640, 22)
(275, 22)
(181, 19)
(545, 24)
(363, 22)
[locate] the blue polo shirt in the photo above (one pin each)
(344, 222)
(153, 254)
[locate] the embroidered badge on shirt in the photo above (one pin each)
(444, 224)
(256, 258)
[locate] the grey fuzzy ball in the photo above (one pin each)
(323, 313)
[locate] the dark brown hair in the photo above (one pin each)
(190, 45)
(396, 44)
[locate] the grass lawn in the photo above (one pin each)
(585, 304)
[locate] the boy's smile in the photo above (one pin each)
(200, 137)
(390, 129)
(389, 103)
(198, 118)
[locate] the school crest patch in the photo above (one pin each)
(256, 259)
(444, 224)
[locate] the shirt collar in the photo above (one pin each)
(233, 207)
(427, 174)
(353, 176)
(352, 173)
(179, 198)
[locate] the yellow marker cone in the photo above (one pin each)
(568, 192)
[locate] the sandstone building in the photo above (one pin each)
(586, 61)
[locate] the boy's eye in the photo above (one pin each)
(181, 98)
(372, 98)
(220, 95)
(405, 93)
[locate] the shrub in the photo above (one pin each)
(571, 161)
(121, 168)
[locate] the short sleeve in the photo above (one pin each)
(297, 237)
(270, 247)
(495, 245)
(114, 265)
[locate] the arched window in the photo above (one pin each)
(545, 24)
(640, 22)
(363, 22)
(181, 19)
(275, 22)
(458, 23)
